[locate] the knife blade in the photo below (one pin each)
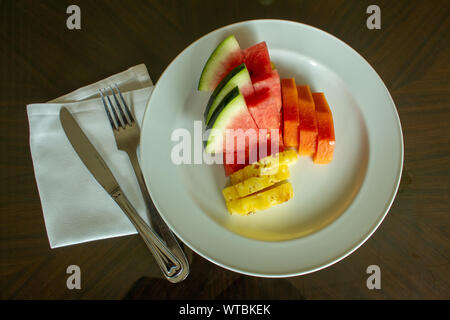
(87, 152)
(94, 162)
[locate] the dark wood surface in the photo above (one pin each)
(41, 59)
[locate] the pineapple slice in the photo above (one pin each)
(255, 184)
(266, 166)
(262, 200)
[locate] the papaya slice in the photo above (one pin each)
(326, 140)
(290, 112)
(307, 122)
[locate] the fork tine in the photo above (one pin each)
(130, 115)
(119, 106)
(119, 122)
(111, 121)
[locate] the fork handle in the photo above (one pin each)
(157, 221)
(168, 262)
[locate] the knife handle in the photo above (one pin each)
(168, 262)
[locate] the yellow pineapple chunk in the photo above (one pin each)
(255, 184)
(266, 166)
(262, 200)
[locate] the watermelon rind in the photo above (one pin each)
(231, 106)
(239, 77)
(216, 61)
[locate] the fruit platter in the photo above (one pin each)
(271, 148)
(249, 96)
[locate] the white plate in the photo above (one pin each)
(336, 207)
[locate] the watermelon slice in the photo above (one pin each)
(270, 145)
(269, 81)
(246, 96)
(257, 59)
(265, 104)
(227, 56)
(232, 163)
(231, 168)
(263, 108)
(239, 77)
(231, 127)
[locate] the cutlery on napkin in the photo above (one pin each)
(75, 208)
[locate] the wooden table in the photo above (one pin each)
(41, 59)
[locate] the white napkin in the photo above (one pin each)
(76, 208)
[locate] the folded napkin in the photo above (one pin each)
(76, 209)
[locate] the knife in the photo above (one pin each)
(168, 262)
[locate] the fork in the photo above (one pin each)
(127, 134)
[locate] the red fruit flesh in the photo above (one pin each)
(265, 104)
(264, 148)
(257, 59)
(264, 110)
